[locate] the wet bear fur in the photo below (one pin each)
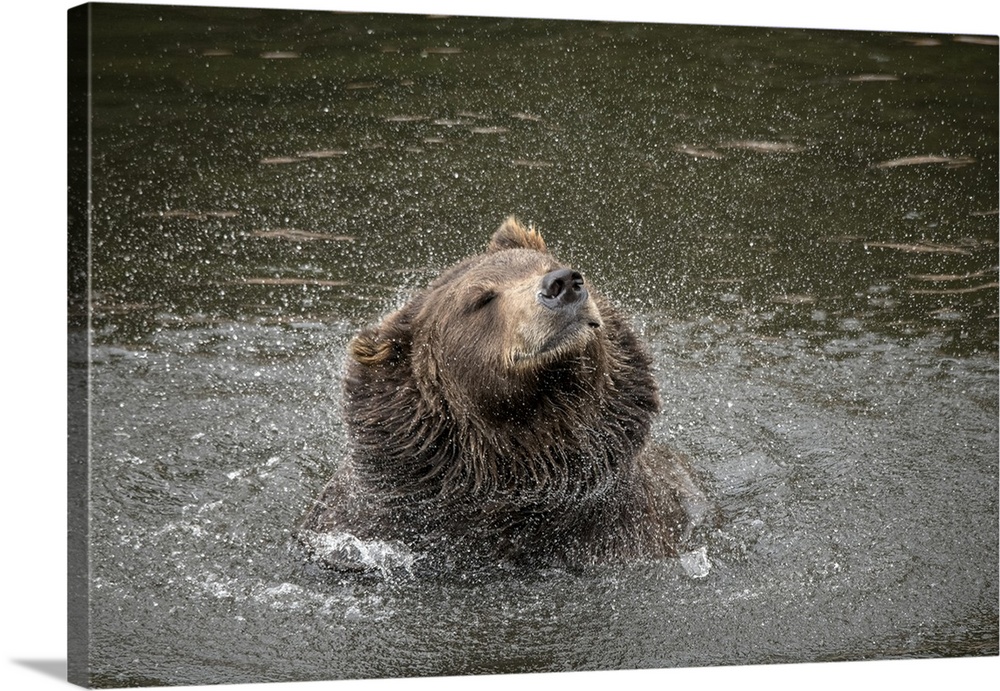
(495, 420)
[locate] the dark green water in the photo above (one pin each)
(803, 224)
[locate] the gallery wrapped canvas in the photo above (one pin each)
(417, 345)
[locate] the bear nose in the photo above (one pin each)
(561, 288)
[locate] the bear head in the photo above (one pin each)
(484, 335)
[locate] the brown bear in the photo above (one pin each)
(502, 416)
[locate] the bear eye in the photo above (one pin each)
(481, 299)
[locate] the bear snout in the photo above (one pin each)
(562, 288)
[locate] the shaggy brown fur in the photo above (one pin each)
(495, 419)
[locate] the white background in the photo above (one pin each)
(32, 257)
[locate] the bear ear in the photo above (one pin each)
(381, 345)
(512, 235)
(368, 349)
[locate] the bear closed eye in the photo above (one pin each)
(503, 415)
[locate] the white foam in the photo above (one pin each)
(346, 551)
(696, 564)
